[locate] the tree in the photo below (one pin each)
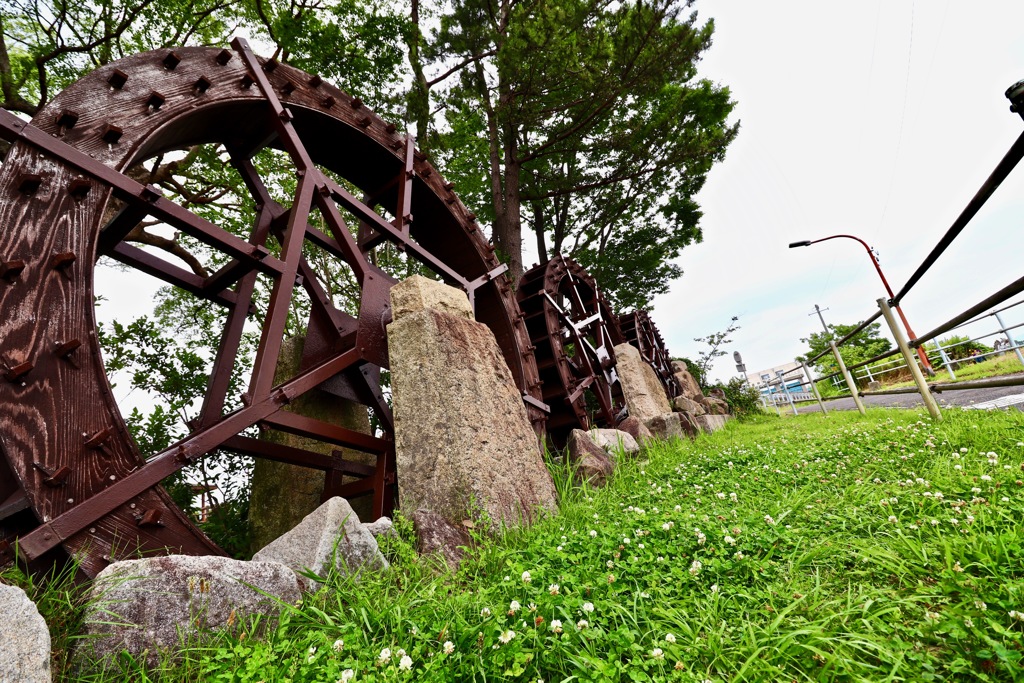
(714, 341)
(597, 131)
(867, 344)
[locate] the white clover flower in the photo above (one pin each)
(957, 467)
(733, 497)
(338, 645)
(448, 647)
(385, 656)
(695, 567)
(657, 653)
(507, 636)
(553, 589)
(678, 508)
(582, 624)
(526, 577)
(670, 638)
(1014, 614)
(588, 607)
(720, 495)
(934, 522)
(556, 625)
(957, 567)
(609, 564)
(514, 607)
(405, 664)
(892, 518)
(310, 655)
(730, 540)
(593, 534)
(714, 588)
(485, 612)
(978, 604)
(968, 622)
(985, 477)
(769, 520)
(346, 676)
(931, 616)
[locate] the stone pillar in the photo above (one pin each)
(462, 434)
(283, 494)
(644, 393)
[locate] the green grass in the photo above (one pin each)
(809, 549)
(994, 366)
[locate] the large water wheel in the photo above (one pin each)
(72, 480)
(573, 332)
(640, 331)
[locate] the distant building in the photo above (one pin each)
(767, 381)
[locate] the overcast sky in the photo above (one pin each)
(879, 118)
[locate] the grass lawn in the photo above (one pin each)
(995, 366)
(817, 548)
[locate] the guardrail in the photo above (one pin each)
(987, 307)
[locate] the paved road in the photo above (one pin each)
(1012, 397)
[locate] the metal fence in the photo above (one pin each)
(906, 348)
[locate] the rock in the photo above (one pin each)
(665, 426)
(874, 385)
(716, 406)
(688, 424)
(687, 383)
(311, 545)
(615, 441)
(25, 654)
(382, 527)
(644, 393)
(152, 605)
(718, 393)
(418, 293)
(436, 535)
(687, 405)
(592, 464)
(282, 493)
(711, 423)
(635, 428)
(463, 439)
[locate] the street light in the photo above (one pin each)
(874, 261)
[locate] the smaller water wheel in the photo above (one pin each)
(573, 331)
(640, 331)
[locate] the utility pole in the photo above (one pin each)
(817, 310)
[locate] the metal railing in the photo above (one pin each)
(987, 307)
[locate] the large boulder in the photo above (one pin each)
(688, 424)
(591, 464)
(25, 653)
(615, 442)
(683, 404)
(463, 439)
(437, 536)
(711, 423)
(633, 426)
(151, 606)
(665, 426)
(716, 406)
(688, 385)
(644, 393)
(331, 535)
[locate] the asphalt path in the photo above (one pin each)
(1012, 397)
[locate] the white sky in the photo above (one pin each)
(879, 118)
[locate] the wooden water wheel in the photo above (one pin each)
(640, 331)
(72, 481)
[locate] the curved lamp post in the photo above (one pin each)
(874, 261)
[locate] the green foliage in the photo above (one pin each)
(742, 398)
(865, 345)
(586, 123)
(959, 347)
